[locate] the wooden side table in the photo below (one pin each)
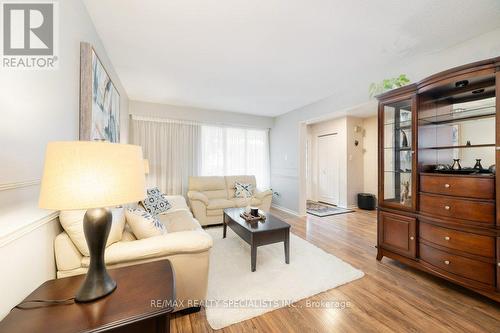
(142, 302)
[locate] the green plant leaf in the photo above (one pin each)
(387, 84)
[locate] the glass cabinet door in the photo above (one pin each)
(398, 154)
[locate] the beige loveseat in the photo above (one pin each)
(188, 251)
(209, 195)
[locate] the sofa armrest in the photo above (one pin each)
(263, 194)
(195, 195)
(182, 242)
(67, 255)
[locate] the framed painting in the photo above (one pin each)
(99, 99)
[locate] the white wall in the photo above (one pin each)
(153, 110)
(350, 157)
(370, 155)
(38, 107)
(284, 150)
(355, 175)
(285, 134)
(26, 263)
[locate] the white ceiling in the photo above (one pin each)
(268, 57)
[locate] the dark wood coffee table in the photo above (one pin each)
(272, 230)
(139, 304)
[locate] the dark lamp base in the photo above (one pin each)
(98, 283)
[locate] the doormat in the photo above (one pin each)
(322, 210)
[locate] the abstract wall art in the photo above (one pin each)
(99, 99)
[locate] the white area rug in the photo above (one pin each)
(236, 294)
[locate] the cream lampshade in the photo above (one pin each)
(92, 175)
(87, 174)
(146, 167)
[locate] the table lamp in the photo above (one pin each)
(92, 175)
(146, 166)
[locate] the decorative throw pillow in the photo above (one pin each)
(143, 224)
(155, 203)
(243, 190)
(72, 223)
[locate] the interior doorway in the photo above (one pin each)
(328, 169)
(351, 165)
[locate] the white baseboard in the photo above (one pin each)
(286, 210)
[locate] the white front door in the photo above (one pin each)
(328, 169)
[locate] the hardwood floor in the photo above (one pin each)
(390, 298)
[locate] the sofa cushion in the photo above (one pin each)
(215, 194)
(263, 194)
(219, 204)
(243, 190)
(128, 235)
(206, 183)
(179, 220)
(255, 202)
(67, 255)
(144, 224)
(156, 202)
(177, 202)
(215, 212)
(72, 223)
(231, 180)
(243, 202)
(212, 187)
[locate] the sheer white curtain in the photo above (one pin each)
(235, 151)
(173, 151)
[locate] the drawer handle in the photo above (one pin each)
(447, 207)
(412, 238)
(447, 185)
(447, 262)
(446, 238)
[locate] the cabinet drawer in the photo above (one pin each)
(465, 267)
(458, 240)
(460, 186)
(478, 211)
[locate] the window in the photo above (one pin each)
(235, 151)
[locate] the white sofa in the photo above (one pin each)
(188, 251)
(209, 195)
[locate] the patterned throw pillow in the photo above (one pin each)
(155, 203)
(243, 190)
(143, 224)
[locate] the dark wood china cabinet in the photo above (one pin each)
(439, 142)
